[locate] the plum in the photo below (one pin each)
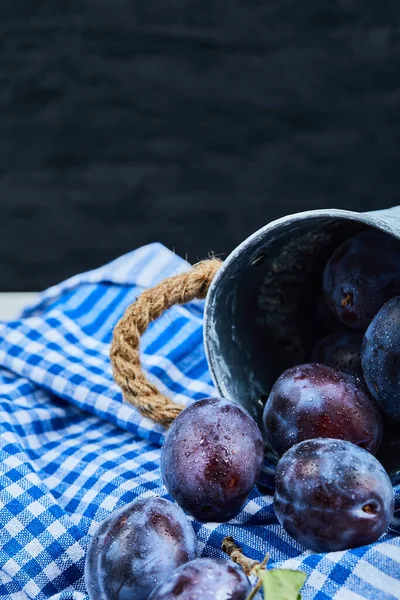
(211, 458)
(340, 350)
(313, 400)
(136, 548)
(362, 274)
(205, 579)
(380, 358)
(332, 495)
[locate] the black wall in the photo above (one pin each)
(188, 122)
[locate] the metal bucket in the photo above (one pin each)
(262, 307)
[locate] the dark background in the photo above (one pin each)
(192, 123)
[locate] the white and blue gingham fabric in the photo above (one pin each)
(71, 452)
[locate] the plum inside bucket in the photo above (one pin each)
(265, 312)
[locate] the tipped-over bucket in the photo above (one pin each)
(261, 309)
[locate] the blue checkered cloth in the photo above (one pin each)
(71, 452)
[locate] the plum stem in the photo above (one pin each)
(249, 566)
(235, 553)
(346, 300)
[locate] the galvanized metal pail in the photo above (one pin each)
(261, 310)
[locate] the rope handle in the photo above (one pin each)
(125, 347)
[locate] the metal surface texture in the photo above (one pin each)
(260, 312)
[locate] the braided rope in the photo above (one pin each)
(125, 347)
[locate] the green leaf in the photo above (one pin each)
(282, 584)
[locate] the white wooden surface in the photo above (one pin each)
(11, 304)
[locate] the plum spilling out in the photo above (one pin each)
(340, 350)
(332, 495)
(136, 548)
(362, 274)
(381, 358)
(205, 579)
(211, 458)
(312, 401)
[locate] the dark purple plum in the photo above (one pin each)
(136, 548)
(340, 350)
(332, 495)
(380, 358)
(205, 579)
(313, 400)
(362, 274)
(211, 458)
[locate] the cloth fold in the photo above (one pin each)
(71, 451)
